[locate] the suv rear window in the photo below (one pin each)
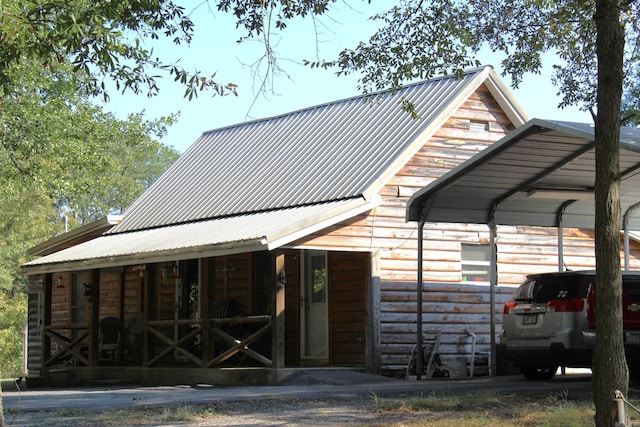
(543, 289)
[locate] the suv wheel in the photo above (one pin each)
(538, 373)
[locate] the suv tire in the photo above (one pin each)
(538, 372)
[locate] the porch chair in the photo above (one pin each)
(110, 340)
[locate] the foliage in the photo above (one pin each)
(61, 155)
(258, 17)
(456, 31)
(104, 38)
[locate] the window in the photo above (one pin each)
(476, 263)
(479, 126)
(316, 271)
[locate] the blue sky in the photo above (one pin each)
(214, 50)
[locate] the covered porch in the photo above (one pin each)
(218, 320)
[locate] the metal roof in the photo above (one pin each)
(329, 152)
(526, 178)
(242, 233)
(265, 183)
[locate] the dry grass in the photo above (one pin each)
(486, 409)
(481, 409)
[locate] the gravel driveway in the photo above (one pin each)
(308, 398)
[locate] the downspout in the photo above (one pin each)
(625, 224)
(559, 214)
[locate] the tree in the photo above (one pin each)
(61, 155)
(104, 39)
(421, 38)
(101, 37)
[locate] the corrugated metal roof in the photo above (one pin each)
(250, 232)
(330, 152)
(263, 184)
(541, 155)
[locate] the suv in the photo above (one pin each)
(550, 322)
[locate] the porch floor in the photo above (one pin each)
(243, 376)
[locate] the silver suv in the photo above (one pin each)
(550, 322)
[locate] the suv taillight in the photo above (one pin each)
(508, 306)
(565, 305)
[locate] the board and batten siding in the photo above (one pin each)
(459, 310)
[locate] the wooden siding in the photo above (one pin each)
(233, 277)
(61, 299)
(456, 310)
(111, 293)
(34, 324)
(454, 307)
(132, 293)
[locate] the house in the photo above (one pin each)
(283, 243)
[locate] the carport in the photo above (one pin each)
(542, 174)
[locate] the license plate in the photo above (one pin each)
(529, 319)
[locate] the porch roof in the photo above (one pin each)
(234, 234)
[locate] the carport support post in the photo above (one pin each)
(625, 225)
(560, 226)
(492, 298)
(419, 304)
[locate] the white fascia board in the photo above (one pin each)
(227, 248)
(327, 219)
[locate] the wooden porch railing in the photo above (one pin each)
(220, 327)
(68, 346)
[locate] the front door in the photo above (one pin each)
(315, 325)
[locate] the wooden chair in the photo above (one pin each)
(110, 340)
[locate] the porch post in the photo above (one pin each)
(277, 322)
(46, 321)
(94, 317)
(147, 283)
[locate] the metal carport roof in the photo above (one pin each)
(527, 177)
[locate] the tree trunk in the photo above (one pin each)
(610, 371)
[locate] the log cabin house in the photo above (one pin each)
(282, 242)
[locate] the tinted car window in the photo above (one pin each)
(547, 288)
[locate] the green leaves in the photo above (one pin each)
(104, 38)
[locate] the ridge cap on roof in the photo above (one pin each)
(465, 73)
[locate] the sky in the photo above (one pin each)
(296, 86)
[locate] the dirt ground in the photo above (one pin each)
(264, 412)
(269, 412)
